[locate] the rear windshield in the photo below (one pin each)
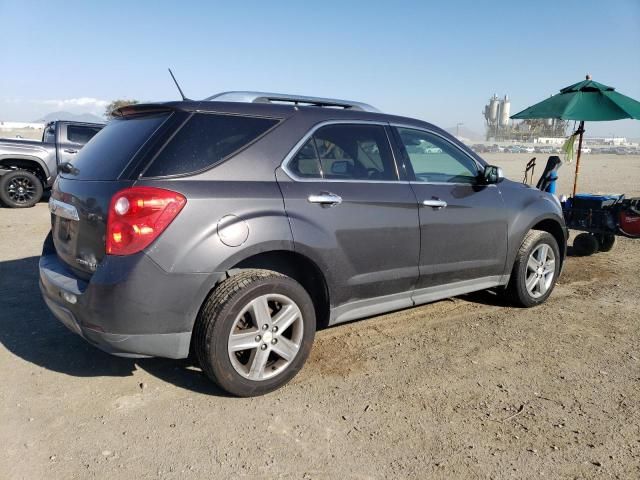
(205, 140)
(109, 152)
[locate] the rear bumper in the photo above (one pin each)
(170, 345)
(129, 307)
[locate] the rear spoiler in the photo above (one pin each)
(141, 109)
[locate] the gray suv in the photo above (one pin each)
(230, 229)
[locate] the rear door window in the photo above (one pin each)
(355, 152)
(306, 164)
(113, 147)
(346, 152)
(81, 134)
(206, 140)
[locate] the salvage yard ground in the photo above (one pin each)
(463, 388)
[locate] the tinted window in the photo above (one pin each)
(205, 140)
(433, 159)
(81, 135)
(305, 163)
(359, 152)
(106, 156)
(49, 135)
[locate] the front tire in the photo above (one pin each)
(20, 189)
(535, 270)
(254, 332)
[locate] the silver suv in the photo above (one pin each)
(231, 228)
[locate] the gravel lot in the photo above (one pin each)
(463, 388)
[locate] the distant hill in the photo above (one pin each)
(465, 133)
(74, 117)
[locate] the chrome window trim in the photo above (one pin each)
(432, 132)
(298, 146)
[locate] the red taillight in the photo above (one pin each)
(138, 215)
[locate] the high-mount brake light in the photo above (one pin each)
(138, 215)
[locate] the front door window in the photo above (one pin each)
(434, 160)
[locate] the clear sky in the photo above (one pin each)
(438, 61)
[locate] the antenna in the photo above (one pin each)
(176, 82)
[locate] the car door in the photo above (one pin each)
(350, 213)
(71, 138)
(463, 222)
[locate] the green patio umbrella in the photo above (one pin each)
(584, 101)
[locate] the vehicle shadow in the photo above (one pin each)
(491, 297)
(494, 297)
(30, 331)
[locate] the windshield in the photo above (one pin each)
(111, 150)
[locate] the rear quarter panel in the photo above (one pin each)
(193, 243)
(244, 187)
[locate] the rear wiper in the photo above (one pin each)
(66, 167)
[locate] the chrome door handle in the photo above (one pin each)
(325, 198)
(435, 203)
(70, 150)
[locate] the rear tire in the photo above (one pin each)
(535, 270)
(606, 242)
(585, 244)
(237, 338)
(20, 189)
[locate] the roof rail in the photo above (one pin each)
(264, 97)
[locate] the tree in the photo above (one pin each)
(108, 111)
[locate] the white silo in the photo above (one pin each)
(493, 109)
(505, 110)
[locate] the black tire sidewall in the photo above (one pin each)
(223, 370)
(523, 295)
(585, 244)
(6, 179)
(606, 242)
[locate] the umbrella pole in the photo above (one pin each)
(575, 180)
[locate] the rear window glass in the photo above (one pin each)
(49, 135)
(109, 152)
(205, 140)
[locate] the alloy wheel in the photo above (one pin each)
(265, 337)
(21, 189)
(541, 269)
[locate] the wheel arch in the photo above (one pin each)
(554, 227)
(297, 266)
(31, 164)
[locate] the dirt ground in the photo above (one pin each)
(463, 388)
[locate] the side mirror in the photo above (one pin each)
(492, 174)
